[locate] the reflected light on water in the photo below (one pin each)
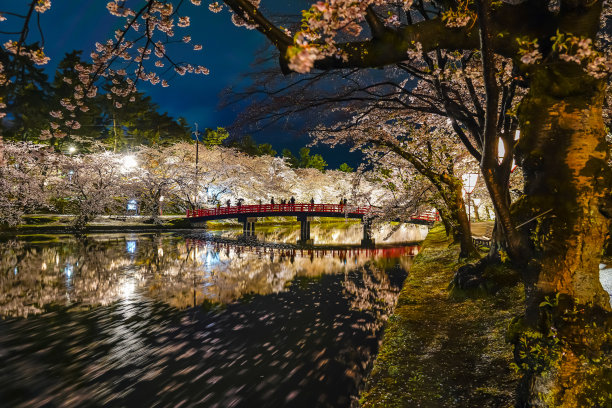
(130, 247)
(128, 287)
(166, 268)
(298, 327)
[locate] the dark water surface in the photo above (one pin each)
(144, 320)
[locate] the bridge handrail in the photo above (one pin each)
(302, 208)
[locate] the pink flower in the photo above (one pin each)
(183, 22)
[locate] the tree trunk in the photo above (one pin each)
(446, 221)
(454, 202)
(564, 156)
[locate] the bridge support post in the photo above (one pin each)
(304, 230)
(248, 225)
(367, 241)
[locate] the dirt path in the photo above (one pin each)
(442, 352)
(483, 229)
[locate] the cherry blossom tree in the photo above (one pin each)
(93, 185)
(28, 175)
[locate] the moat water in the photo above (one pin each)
(206, 320)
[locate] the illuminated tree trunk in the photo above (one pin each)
(450, 189)
(567, 186)
(564, 156)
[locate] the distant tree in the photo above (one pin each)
(290, 158)
(24, 94)
(265, 149)
(346, 168)
(307, 161)
(72, 120)
(214, 137)
(93, 183)
(246, 144)
(27, 175)
(132, 118)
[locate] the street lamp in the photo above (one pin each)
(469, 183)
(129, 162)
(161, 200)
(71, 149)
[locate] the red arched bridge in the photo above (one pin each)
(248, 214)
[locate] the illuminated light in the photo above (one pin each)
(43, 266)
(130, 247)
(517, 134)
(160, 251)
(129, 162)
(71, 149)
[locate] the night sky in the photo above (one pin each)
(228, 51)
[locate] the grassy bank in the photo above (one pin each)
(440, 351)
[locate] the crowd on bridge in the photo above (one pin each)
(290, 201)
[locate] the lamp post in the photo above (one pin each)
(469, 183)
(161, 201)
(197, 136)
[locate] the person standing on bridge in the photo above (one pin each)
(272, 201)
(229, 203)
(311, 203)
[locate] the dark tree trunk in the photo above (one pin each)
(464, 232)
(446, 221)
(564, 156)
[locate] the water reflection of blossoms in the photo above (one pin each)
(350, 234)
(77, 272)
(182, 273)
(223, 273)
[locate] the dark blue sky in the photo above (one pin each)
(228, 51)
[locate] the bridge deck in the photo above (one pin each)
(296, 210)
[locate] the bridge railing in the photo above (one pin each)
(429, 216)
(267, 208)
